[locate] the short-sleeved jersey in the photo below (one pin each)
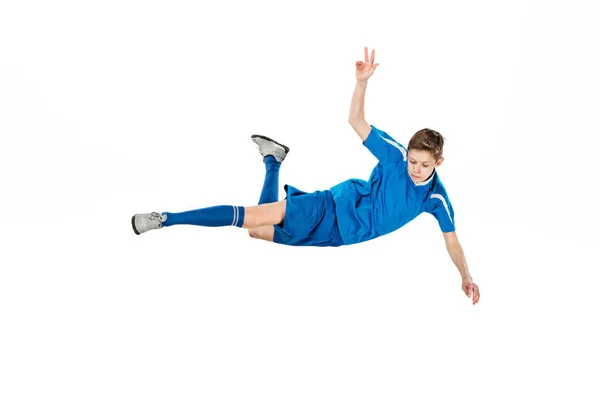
(389, 199)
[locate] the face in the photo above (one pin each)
(421, 164)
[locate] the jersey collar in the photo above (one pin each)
(425, 182)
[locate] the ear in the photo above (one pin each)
(439, 162)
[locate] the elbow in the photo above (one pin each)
(362, 128)
(354, 121)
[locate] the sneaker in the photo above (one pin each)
(144, 222)
(269, 147)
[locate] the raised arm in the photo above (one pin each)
(364, 70)
(458, 257)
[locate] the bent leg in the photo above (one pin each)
(268, 212)
(269, 194)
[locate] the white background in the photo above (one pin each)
(113, 108)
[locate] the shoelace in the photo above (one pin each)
(156, 217)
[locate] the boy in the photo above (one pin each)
(402, 185)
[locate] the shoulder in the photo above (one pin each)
(437, 187)
(437, 184)
(378, 138)
(438, 196)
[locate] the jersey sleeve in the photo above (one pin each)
(441, 208)
(384, 147)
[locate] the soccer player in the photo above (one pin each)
(403, 184)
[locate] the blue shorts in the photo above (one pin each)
(309, 220)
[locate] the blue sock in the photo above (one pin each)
(270, 188)
(210, 216)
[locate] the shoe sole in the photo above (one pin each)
(287, 149)
(133, 225)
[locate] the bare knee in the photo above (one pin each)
(263, 232)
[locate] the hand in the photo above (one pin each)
(470, 289)
(364, 69)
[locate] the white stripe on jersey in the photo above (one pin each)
(439, 196)
(395, 145)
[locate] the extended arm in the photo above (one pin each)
(357, 111)
(364, 70)
(458, 258)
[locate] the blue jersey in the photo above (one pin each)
(389, 199)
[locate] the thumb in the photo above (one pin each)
(375, 66)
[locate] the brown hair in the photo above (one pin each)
(429, 140)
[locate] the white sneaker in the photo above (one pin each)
(269, 147)
(144, 222)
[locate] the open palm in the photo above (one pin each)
(364, 69)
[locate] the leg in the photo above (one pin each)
(243, 217)
(269, 192)
(268, 213)
(274, 153)
(264, 215)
